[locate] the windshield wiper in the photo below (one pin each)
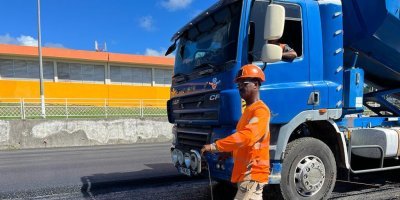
(180, 77)
(210, 68)
(204, 65)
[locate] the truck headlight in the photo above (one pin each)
(187, 159)
(194, 162)
(174, 156)
(180, 157)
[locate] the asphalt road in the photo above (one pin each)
(46, 169)
(141, 171)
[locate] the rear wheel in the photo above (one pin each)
(309, 170)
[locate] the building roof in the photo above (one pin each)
(70, 54)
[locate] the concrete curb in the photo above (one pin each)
(23, 134)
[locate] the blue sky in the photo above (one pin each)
(127, 26)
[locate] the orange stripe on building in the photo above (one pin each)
(30, 89)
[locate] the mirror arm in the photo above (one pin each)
(264, 66)
(171, 48)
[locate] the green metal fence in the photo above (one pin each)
(29, 108)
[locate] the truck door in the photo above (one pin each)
(287, 88)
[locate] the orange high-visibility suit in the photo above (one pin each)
(249, 145)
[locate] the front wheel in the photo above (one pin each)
(308, 171)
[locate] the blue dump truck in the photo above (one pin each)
(334, 108)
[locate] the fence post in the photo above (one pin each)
(22, 108)
(141, 108)
(66, 107)
(105, 107)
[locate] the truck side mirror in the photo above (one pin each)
(273, 30)
(274, 22)
(271, 53)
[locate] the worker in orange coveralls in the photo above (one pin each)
(250, 144)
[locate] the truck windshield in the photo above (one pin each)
(212, 42)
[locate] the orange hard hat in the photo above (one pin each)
(250, 71)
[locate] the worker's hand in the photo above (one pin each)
(205, 148)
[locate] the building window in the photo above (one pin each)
(77, 72)
(130, 75)
(25, 69)
(162, 77)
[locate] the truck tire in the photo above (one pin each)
(308, 171)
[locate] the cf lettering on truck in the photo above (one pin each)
(346, 64)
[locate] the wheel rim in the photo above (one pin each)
(309, 175)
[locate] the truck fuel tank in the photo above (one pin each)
(387, 138)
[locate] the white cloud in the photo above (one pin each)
(173, 5)
(25, 40)
(147, 23)
(153, 52)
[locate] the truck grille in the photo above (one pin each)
(200, 107)
(192, 137)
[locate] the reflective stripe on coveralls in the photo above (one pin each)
(250, 145)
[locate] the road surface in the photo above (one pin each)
(140, 171)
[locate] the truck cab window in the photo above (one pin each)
(210, 42)
(292, 35)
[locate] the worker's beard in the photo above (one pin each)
(247, 93)
(243, 93)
